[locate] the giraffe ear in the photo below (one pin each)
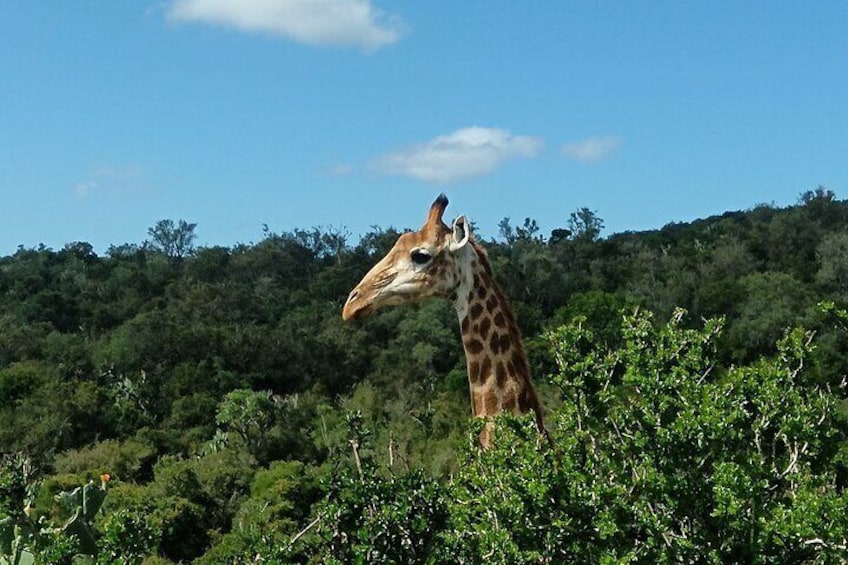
(460, 233)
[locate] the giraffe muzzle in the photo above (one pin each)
(354, 308)
(370, 294)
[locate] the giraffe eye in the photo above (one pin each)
(420, 257)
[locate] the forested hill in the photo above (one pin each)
(141, 361)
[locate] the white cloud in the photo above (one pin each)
(592, 149)
(111, 181)
(314, 22)
(465, 153)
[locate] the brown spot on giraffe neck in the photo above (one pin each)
(500, 374)
(476, 310)
(485, 369)
(524, 401)
(485, 326)
(495, 343)
(473, 346)
(506, 342)
(473, 371)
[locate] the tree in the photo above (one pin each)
(506, 231)
(559, 234)
(585, 225)
(768, 304)
(529, 231)
(249, 414)
(820, 194)
(173, 241)
(832, 254)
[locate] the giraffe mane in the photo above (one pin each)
(483, 256)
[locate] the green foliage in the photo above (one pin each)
(25, 539)
(37, 416)
(123, 460)
(279, 500)
(127, 537)
(18, 533)
(18, 380)
(832, 255)
(585, 225)
(773, 301)
(173, 241)
(373, 515)
(205, 379)
(661, 456)
(707, 463)
(250, 415)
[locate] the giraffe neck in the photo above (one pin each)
(498, 373)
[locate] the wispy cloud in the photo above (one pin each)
(111, 181)
(593, 149)
(339, 170)
(465, 153)
(352, 23)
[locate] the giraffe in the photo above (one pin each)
(438, 261)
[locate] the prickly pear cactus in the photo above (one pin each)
(83, 503)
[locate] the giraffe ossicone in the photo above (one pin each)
(446, 262)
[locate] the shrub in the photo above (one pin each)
(661, 456)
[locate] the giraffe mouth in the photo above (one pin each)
(356, 308)
(352, 314)
(362, 303)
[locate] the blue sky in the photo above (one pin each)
(352, 113)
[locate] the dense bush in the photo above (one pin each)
(661, 456)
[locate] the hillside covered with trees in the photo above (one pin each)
(694, 378)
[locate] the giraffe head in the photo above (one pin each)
(421, 264)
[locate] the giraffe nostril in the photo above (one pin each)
(353, 294)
